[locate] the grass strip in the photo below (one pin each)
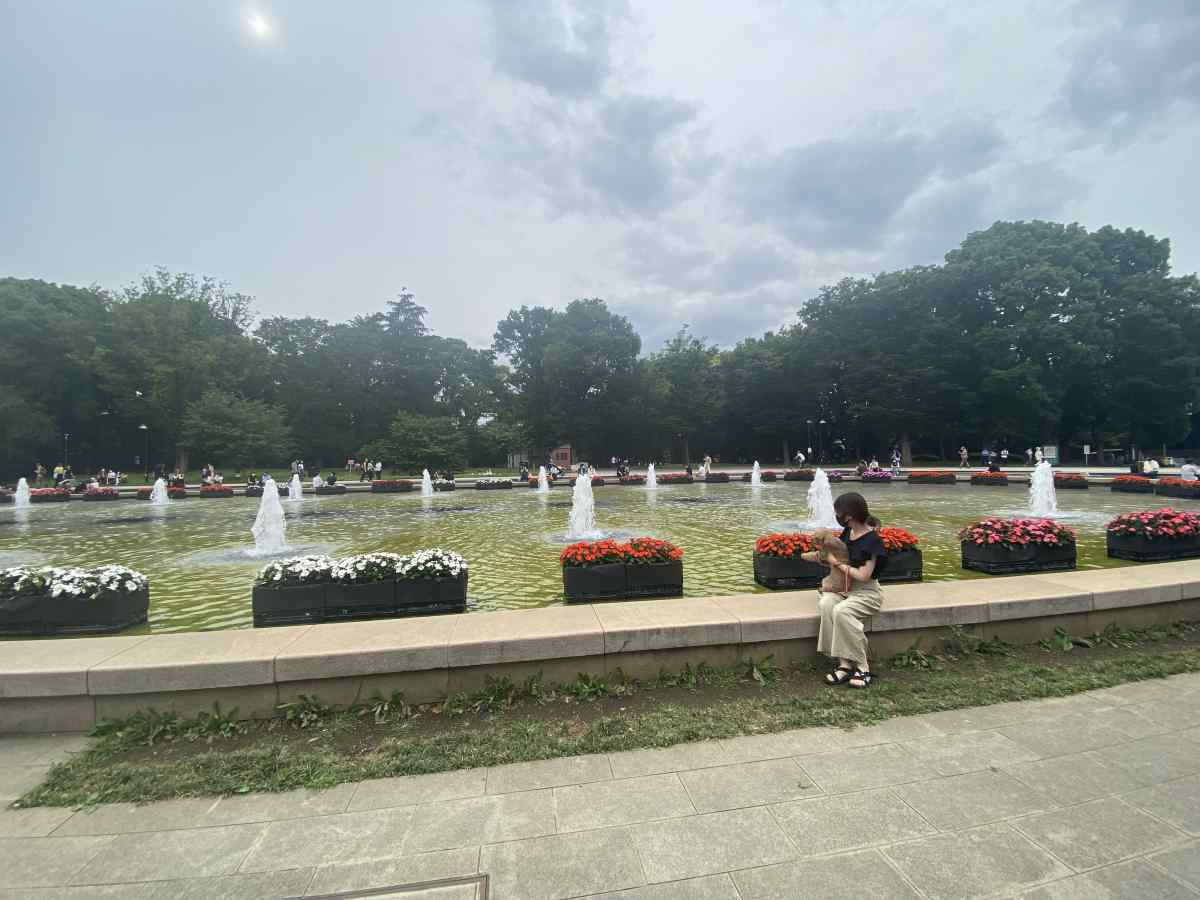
(309, 748)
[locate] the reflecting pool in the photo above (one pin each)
(193, 549)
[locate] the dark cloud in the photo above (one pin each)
(563, 47)
(846, 191)
(1137, 61)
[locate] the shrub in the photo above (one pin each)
(1017, 532)
(896, 539)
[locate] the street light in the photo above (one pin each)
(821, 439)
(147, 459)
(808, 429)
(66, 449)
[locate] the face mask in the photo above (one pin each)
(842, 520)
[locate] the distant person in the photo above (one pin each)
(332, 479)
(963, 458)
(896, 460)
(1029, 456)
(1150, 468)
(1004, 457)
(378, 468)
(1189, 471)
(366, 471)
(800, 457)
(874, 466)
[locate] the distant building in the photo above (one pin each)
(561, 456)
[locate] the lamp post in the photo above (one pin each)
(66, 449)
(808, 431)
(146, 430)
(821, 440)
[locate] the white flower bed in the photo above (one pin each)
(297, 570)
(84, 584)
(363, 568)
(493, 481)
(435, 563)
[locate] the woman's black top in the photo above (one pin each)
(869, 546)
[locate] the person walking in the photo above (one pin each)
(896, 460)
(1004, 456)
(379, 468)
(1029, 456)
(842, 635)
(963, 458)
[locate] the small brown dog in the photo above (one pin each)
(833, 551)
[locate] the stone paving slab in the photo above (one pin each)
(995, 801)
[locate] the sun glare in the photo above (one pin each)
(259, 26)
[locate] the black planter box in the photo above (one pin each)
(100, 498)
(1070, 485)
(990, 482)
(1132, 488)
(49, 498)
(717, 477)
(766, 476)
(288, 605)
(377, 488)
(258, 492)
(427, 596)
(42, 615)
(582, 584)
(5, 497)
(632, 480)
(330, 490)
(918, 478)
(799, 475)
(866, 479)
(493, 485)
(902, 565)
(997, 559)
(1178, 490)
(1143, 549)
(359, 601)
(449, 486)
(672, 478)
(214, 495)
(659, 580)
(784, 574)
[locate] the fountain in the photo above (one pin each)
(21, 497)
(583, 510)
(426, 484)
(543, 484)
(158, 496)
(1042, 501)
(651, 478)
(820, 503)
(268, 528)
(295, 488)
(756, 475)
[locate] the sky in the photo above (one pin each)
(691, 162)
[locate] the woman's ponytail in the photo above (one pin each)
(873, 522)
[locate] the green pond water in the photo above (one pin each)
(192, 550)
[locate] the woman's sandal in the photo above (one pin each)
(860, 676)
(834, 678)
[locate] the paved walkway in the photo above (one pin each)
(1096, 795)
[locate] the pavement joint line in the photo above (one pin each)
(1152, 860)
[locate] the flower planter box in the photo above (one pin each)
(177, 493)
(1131, 488)
(673, 478)
(782, 573)
(765, 476)
(493, 485)
(632, 479)
(717, 478)
(427, 596)
(223, 492)
(257, 491)
(5, 497)
(360, 601)
(1000, 481)
(658, 580)
(1143, 549)
(442, 486)
(288, 605)
(391, 487)
(582, 584)
(330, 490)
(1000, 559)
(1184, 491)
(56, 497)
(36, 614)
(799, 475)
(877, 479)
(928, 478)
(902, 565)
(1070, 484)
(100, 496)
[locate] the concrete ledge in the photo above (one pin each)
(69, 684)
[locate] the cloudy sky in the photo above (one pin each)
(703, 162)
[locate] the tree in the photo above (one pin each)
(229, 430)
(415, 442)
(688, 391)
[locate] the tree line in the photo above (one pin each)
(1028, 333)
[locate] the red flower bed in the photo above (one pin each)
(638, 551)
(49, 492)
(1133, 479)
(633, 479)
(1017, 532)
(785, 545)
(674, 478)
(393, 483)
(1177, 482)
(876, 475)
(1164, 523)
(799, 475)
(989, 476)
(1070, 478)
(216, 490)
(103, 492)
(896, 539)
(933, 473)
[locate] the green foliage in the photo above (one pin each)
(587, 687)
(416, 442)
(304, 712)
(231, 431)
(1064, 642)
(763, 672)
